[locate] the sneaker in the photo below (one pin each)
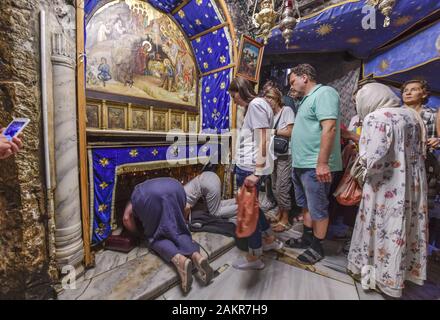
(275, 245)
(243, 264)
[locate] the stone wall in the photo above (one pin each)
(24, 262)
(241, 15)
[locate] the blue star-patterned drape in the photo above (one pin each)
(415, 57)
(198, 16)
(339, 28)
(213, 50)
(165, 5)
(215, 101)
(105, 162)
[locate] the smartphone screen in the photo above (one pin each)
(13, 128)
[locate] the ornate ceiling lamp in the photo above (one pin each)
(288, 21)
(385, 7)
(265, 19)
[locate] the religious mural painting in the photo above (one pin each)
(116, 118)
(140, 119)
(159, 121)
(136, 51)
(177, 121)
(250, 58)
(193, 123)
(93, 115)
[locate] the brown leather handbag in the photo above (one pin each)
(348, 192)
(248, 211)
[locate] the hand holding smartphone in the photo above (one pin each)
(15, 127)
(9, 141)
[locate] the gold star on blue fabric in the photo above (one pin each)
(103, 185)
(134, 153)
(104, 162)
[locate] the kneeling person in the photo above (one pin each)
(155, 212)
(208, 186)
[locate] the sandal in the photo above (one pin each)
(281, 227)
(310, 256)
(205, 272)
(272, 218)
(299, 243)
(185, 273)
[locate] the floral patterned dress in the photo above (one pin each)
(389, 243)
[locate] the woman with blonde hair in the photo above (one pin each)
(389, 243)
(415, 95)
(281, 182)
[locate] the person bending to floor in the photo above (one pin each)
(207, 185)
(155, 212)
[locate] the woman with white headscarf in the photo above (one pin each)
(389, 239)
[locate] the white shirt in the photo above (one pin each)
(287, 118)
(259, 115)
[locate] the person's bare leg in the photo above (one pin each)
(320, 228)
(284, 221)
(307, 236)
(187, 212)
(251, 257)
(307, 218)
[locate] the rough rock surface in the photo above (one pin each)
(24, 263)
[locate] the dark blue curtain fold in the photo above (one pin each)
(105, 163)
(415, 57)
(339, 28)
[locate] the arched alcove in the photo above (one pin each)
(150, 67)
(168, 56)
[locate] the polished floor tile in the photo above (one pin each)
(278, 281)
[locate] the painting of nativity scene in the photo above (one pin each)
(138, 51)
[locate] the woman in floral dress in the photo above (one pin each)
(389, 243)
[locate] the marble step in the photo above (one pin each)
(142, 277)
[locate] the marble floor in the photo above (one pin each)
(140, 274)
(285, 279)
(277, 281)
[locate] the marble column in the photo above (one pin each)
(68, 228)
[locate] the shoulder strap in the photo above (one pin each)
(278, 121)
